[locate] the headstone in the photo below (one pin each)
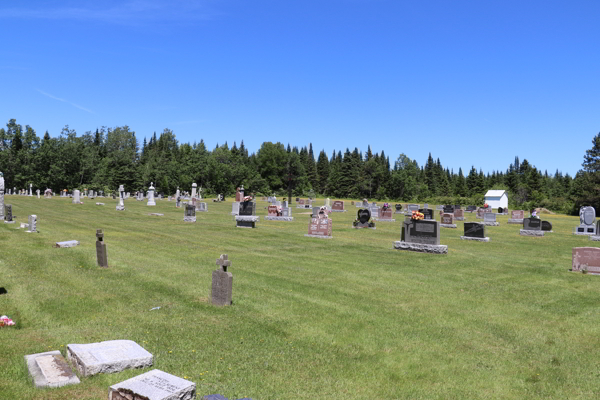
(421, 236)
(246, 217)
(457, 206)
(459, 214)
(374, 211)
(363, 219)
(399, 209)
(194, 187)
(440, 207)
(516, 217)
(121, 204)
(412, 207)
(222, 283)
(239, 194)
(38, 193)
(30, 190)
(386, 215)
(32, 224)
(201, 206)
(235, 208)
(448, 209)
(500, 210)
(8, 216)
(76, 197)
(365, 203)
(68, 243)
(178, 202)
(587, 218)
(151, 201)
(50, 369)
(101, 249)
(108, 357)
(586, 259)
(475, 231)
(428, 213)
(447, 221)
(190, 213)
(338, 206)
(471, 208)
(489, 219)
(546, 226)
(320, 226)
(153, 385)
(532, 227)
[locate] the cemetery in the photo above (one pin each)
(154, 315)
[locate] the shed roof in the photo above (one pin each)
(495, 193)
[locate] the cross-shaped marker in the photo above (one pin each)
(223, 262)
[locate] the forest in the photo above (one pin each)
(109, 157)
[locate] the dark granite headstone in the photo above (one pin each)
(500, 210)
(398, 207)
(474, 229)
(457, 206)
(532, 224)
(471, 208)
(8, 216)
(428, 213)
(364, 215)
(421, 231)
(546, 226)
(247, 208)
(448, 210)
(101, 249)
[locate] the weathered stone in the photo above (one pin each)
(32, 224)
(153, 385)
(528, 232)
(421, 247)
(222, 283)
(101, 249)
(68, 243)
(190, 213)
(108, 357)
(50, 369)
(246, 221)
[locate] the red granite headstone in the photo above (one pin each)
(338, 205)
(586, 259)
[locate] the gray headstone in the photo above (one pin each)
(190, 213)
(532, 224)
(50, 369)
(153, 385)
(68, 243)
(587, 215)
(101, 249)
(32, 223)
(421, 231)
(108, 357)
(489, 217)
(222, 283)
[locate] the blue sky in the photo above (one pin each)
(474, 83)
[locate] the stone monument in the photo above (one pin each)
(101, 249)
(320, 226)
(587, 219)
(421, 235)
(32, 224)
(76, 197)
(151, 201)
(1, 196)
(153, 385)
(363, 219)
(190, 213)
(222, 283)
(8, 217)
(121, 204)
(447, 221)
(475, 231)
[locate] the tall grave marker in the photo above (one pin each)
(151, 201)
(101, 249)
(121, 203)
(587, 218)
(222, 283)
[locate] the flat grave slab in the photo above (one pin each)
(157, 214)
(220, 397)
(153, 385)
(421, 247)
(108, 357)
(273, 218)
(68, 243)
(50, 369)
(527, 232)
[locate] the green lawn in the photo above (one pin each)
(347, 318)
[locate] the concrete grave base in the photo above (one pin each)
(384, 220)
(9, 222)
(50, 369)
(120, 208)
(189, 219)
(491, 223)
(595, 238)
(527, 232)
(246, 221)
(399, 212)
(68, 243)
(318, 236)
(272, 218)
(515, 221)
(422, 248)
(339, 210)
(99, 204)
(485, 239)
(453, 226)
(459, 218)
(157, 214)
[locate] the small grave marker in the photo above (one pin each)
(222, 283)
(8, 215)
(101, 249)
(50, 369)
(516, 217)
(489, 219)
(363, 219)
(190, 213)
(447, 221)
(32, 224)
(338, 206)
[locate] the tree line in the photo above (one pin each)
(109, 157)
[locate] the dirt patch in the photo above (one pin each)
(543, 211)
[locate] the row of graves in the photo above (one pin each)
(84, 360)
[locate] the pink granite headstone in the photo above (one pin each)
(586, 259)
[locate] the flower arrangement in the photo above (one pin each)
(385, 206)
(486, 205)
(247, 198)
(416, 215)
(5, 321)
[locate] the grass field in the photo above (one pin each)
(347, 318)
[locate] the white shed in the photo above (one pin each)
(496, 198)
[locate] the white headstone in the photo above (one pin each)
(153, 385)
(1, 196)
(194, 186)
(38, 193)
(151, 201)
(121, 204)
(30, 189)
(32, 224)
(50, 369)
(108, 357)
(76, 199)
